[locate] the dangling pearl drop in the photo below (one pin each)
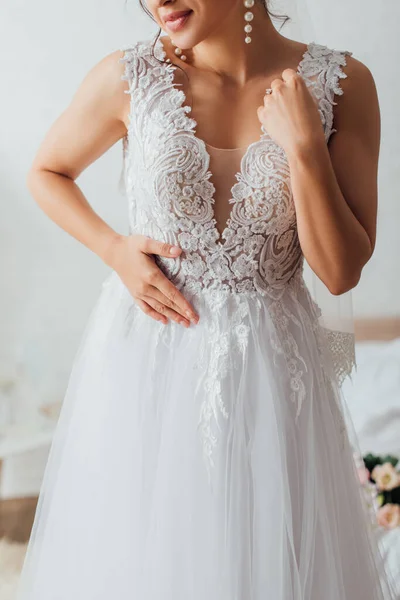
(179, 51)
(248, 16)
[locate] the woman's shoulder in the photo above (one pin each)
(127, 53)
(144, 48)
(140, 62)
(120, 63)
(338, 59)
(343, 70)
(326, 52)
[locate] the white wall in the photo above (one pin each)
(48, 281)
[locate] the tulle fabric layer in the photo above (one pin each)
(130, 507)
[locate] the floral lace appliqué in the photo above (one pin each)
(171, 198)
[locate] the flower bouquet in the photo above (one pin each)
(380, 475)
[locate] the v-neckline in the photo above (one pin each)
(192, 126)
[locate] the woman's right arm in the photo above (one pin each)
(95, 120)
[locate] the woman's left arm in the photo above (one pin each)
(334, 185)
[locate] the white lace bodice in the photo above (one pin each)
(256, 259)
(171, 197)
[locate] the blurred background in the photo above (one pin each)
(49, 282)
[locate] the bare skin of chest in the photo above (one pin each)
(225, 109)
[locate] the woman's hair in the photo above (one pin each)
(265, 3)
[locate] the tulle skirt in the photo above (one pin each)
(212, 462)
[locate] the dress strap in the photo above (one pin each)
(323, 69)
(130, 57)
(138, 58)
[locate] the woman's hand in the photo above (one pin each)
(290, 114)
(131, 257)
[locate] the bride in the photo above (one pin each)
(202, 451)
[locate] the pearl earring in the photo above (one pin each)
(248, 17)
(178, 52)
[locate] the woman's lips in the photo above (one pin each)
(175, 21)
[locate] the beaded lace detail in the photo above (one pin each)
(171, 197)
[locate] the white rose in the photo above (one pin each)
(386, 476)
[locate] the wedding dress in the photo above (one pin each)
(211, 462)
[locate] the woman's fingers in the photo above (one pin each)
(150, 246)
(162, 299)
(163, 310)
(174, 296)
(148, 310)
(276, 85)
